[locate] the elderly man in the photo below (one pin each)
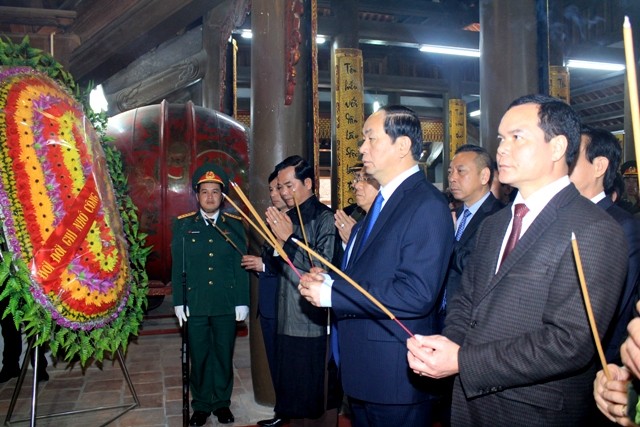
(517, 334)
(366, 188)
(400, 257)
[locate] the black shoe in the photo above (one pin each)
(199, 418)
(273, 422)
(224, 415)
(43, 376)
(6, 374)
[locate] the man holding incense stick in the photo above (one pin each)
(206, 247)
(304, 383)
(400, 256)
(517, 335)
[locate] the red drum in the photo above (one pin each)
(162, 145)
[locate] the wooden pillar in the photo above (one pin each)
(508, 65)
(277, 131)
(347, 96)
(216, 29)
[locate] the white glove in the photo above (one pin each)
(181, 314)
(242, 311)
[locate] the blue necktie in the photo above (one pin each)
(372, 217)
(463, 223)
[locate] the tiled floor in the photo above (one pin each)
(153, 362)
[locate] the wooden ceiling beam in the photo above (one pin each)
(112, 39)
(37, 17)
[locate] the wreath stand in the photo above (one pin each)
(34, 391)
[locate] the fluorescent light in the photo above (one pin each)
(376, 105)
(474, 113)
(592, 65)
(320, 39)
(246, 34)
(447, 50)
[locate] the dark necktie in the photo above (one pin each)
(519, 212)
(366, 228)
(373, 216)
(463, 223)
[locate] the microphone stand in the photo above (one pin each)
(185, 345)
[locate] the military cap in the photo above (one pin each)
(209, 173)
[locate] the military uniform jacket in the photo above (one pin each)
(216, 283)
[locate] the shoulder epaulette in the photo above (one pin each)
(238, 217)
(187, 215)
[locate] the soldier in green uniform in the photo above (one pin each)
(217, 292)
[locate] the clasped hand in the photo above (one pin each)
(310, 285)
(434, 356)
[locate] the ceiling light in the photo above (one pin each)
(320, 39)
(447, 50)
(474, 113)
(246, 34)
(592, 65)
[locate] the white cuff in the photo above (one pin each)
(325, 291)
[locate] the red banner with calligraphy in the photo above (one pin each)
(62, 245)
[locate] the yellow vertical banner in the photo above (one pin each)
(349, 94)
(559, 82)
(457, 125)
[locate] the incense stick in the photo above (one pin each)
(304, 233)
(587, 303)
(272, 240)
(354, 284)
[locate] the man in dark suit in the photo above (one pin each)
(517, 334)
(470, 175)
(269, 276)
(595, 170)
(401, 259)
(217, 292)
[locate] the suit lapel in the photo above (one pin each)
(387, 212)
(529, 239)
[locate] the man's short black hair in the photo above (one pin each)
(556, 118)
(483, 159)
(302, 169)
(600, 142)
(403, 121)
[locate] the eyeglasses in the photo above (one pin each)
(360, 178)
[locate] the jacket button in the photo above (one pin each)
(210, 253)
(210, 240)
(210, 268)
(211, 282)
(193, 240)
(473, 323)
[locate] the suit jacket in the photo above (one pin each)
(527, 356)
(268, 284)
(402, 264)
(618, 331)
(463, 247)
(216, 283)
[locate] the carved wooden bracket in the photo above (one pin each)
(293, 38)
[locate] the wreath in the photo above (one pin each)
(72, 262)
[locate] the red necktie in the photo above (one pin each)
(519, 212)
